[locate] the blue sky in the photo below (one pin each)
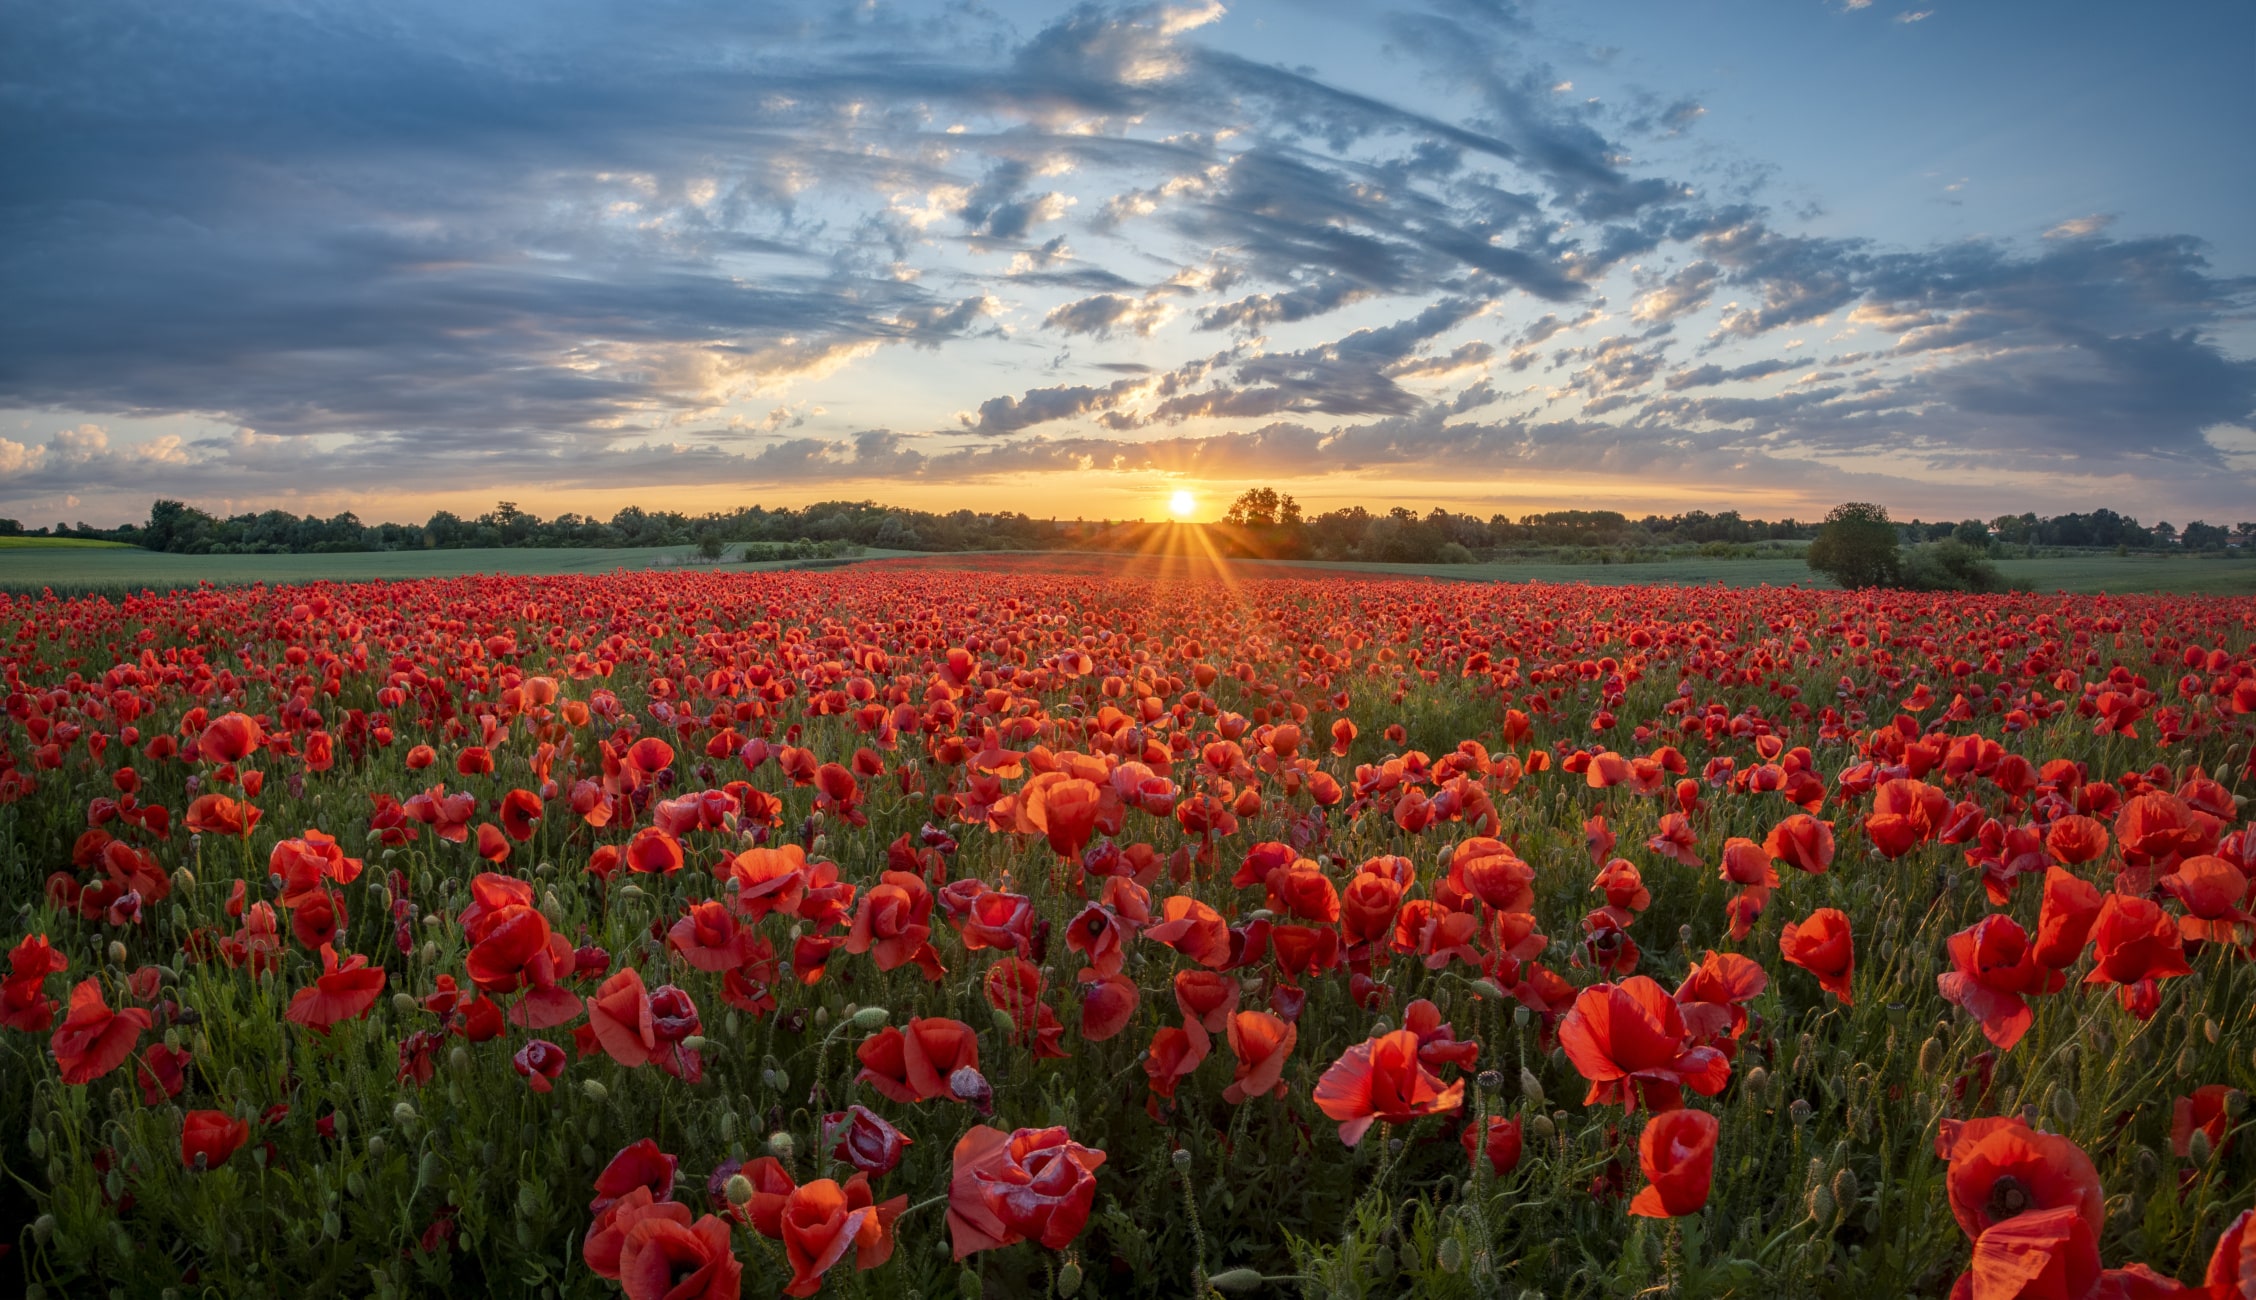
(1957, 258)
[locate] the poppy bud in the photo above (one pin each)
(595, 1090)
(1845, 1188)
(1250, 1279)
(379, 898)
(1487, 988)
(871, 1018)
(404, 1003)
(403, 1114)
(376, 1146)
(458, 1060)
(1003, 1022)
(117, 953)
(1931, 1057)
(1530, 1086)
(1821, 1207)
(970, 1087)
(1069, 1278)
(968, 1284)
(2209, 1028)
(2063, 1103)
(2197, 1147)
(1451, 1256)
(2236, 1103)
(739, 1190)
(43, 1229)
(1543, 1128)
(184, 880)
(1756, 1082)
(2149, 1164)
(781, 1145)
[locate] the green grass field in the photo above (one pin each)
(123, 569)
(101, 567)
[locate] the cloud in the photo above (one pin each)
(1678, 296)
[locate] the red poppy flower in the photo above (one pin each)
(94, 1040)
(1993, 967)
(1488, 870)
(893, 920)
(1503, 1144)
(664, 1259)
(231, 738)
(541, 1062)
(2036, 1255)
(607, 1235)
(2064, 920)
(2136, 945)
(641, 1164)
(1822, 946)
(1630, 1041)
(620, 1016)
(1192, 928)
(1677, 1154)
(216, 814)
(1107, 1005)
(208, 1137)
(934, 1048)
(344, 991)
(1714, 996)
(1031, 1184)
(2232, 1265)
(2011, 1169)
(769, 880)
(1802, 841)
(2206, 1111)
(862, 1138)
(1175, 1052)
(24, 1002)
(654, 852)
(2210, 889)
(1367, 907)
(1261, 1043)
(1382, 1079)
(2075, 839)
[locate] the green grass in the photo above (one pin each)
(60, 544)
(68, 566)
(123, 569)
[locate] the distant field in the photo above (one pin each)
(110, 568)
(2136, 573)
(77, 567)
(59, 544)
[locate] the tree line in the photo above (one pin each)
(1260, 521)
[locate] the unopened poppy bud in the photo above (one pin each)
(1003, 1022)
(1381, 1026)
(117, 953)
(871, 1018)
(1845, 1189)
(1821, 1205)
(2209, 1029)
(971, 1088)
(1451, 1256)
(1931, 1057)
(2197, 1147)
(1530, 1086)
(2063, 1104)
(2236, 1103)
(1069, 1278)
(458, 1060)
(43, 1229)
(2149, 1164)
(693, 1043)
(375, 1146)
(1757, 1081)
(1237, 1280)
(1487, 988)
(739, 1190)
(379, 898)
(781, 1145)
(405, 1003)
(403, 1114)
(184, 880)
(631, 891)
(595, 1090)
(1543, 1128)
(968, 1284)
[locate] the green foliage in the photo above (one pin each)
(1948, 565)
(1856, 547)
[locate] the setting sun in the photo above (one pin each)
(1182, 504)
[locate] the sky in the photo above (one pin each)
(1650, 255)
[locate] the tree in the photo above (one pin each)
(1255, 507)
(1973, 533)
(1856, 547)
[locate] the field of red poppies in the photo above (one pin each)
(934, 932)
